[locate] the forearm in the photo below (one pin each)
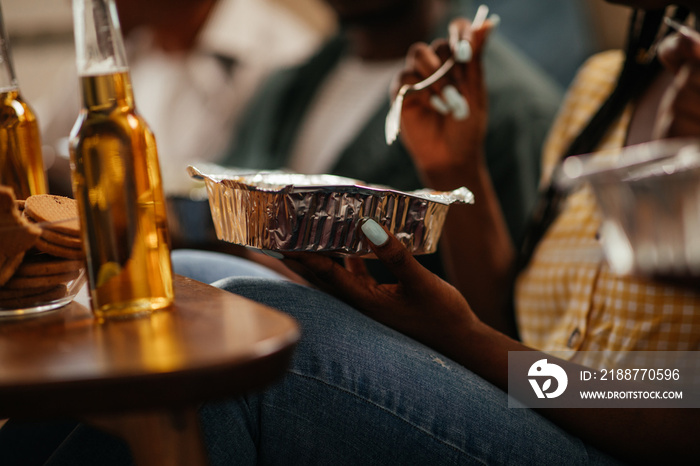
(477, 249)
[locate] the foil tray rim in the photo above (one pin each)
(241, 180)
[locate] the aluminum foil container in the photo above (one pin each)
(281, 211)
(649, 195)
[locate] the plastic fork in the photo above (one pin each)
(683, 29)
(392, 124)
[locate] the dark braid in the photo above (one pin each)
(638, 71)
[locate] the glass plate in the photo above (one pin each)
(43, 307)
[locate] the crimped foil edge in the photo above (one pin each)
(323, 218)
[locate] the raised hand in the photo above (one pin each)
(445, 126)
(679, 111)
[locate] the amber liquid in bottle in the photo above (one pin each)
(21, 165)
(117, 183)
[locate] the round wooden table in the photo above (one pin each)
(143, 378)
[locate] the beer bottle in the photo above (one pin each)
(116, 175)
(21, 164)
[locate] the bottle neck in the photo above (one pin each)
(99, 46)
(107, 91)
(8, 82)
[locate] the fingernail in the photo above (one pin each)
(495, 20)
(456, 102)
(463, 51)
(274, 254)
(374, 232)
(439, 105)
(462, 112)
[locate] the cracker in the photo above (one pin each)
(44, 264)
(7, 199)
(42, 281)
(17, 235)
(58, 250)
(8, 267)
(52, 294)
(60, 213)
(23, 292)
(58, 238)
(61, 239)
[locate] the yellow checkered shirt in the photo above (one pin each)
(568, 299)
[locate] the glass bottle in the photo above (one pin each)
(116, 175)
(21, 164)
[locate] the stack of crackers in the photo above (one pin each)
(40, 249)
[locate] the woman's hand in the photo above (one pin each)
(444, 126)
(420, 305)
(679, 111)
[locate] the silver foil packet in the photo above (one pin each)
(281, 211)
(649, 195)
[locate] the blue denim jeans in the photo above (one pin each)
(208, 267)
(359, 393)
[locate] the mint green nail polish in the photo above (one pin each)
(456, 102)
(374, 233)
(463, 51)
(439, 105)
